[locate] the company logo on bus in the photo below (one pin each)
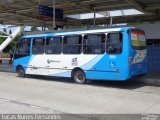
(75, 62)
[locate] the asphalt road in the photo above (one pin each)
(36, 94)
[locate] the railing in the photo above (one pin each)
(5, 59)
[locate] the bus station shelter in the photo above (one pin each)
(22, 12)
(85, 13)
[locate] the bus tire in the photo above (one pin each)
(79, 77)
(20, 71)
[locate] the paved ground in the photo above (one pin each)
(60, 95)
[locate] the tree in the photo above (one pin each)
(10, 47)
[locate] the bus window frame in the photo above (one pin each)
(53, 37)
(72, 35)
(108, 33)
(44, 38)
(18, 45)
(99, 33)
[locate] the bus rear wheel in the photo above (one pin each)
(79, 77)
(20, 72)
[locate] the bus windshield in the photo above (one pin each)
(138, 40)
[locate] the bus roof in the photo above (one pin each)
(75, 32)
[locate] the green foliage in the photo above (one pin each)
(10, 47)
(5, 55)
(1, 40)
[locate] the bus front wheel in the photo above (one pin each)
(79, 77)
(20, 72)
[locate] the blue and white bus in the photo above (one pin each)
(93, 54)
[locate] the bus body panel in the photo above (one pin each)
(139, 67)
(92, 65)
(53, 65)
(22, 61)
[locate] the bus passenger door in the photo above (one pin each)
(36, 63)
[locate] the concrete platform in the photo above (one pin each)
(51, 95)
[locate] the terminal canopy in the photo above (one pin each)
(80, 12)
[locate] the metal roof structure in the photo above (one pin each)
(25, 12)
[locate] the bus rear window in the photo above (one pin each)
(138, 40)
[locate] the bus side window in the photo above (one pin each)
(38, 46)
(114, 43)
(94, 44)
(23, 47)
(53, 45)
(72, 44)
